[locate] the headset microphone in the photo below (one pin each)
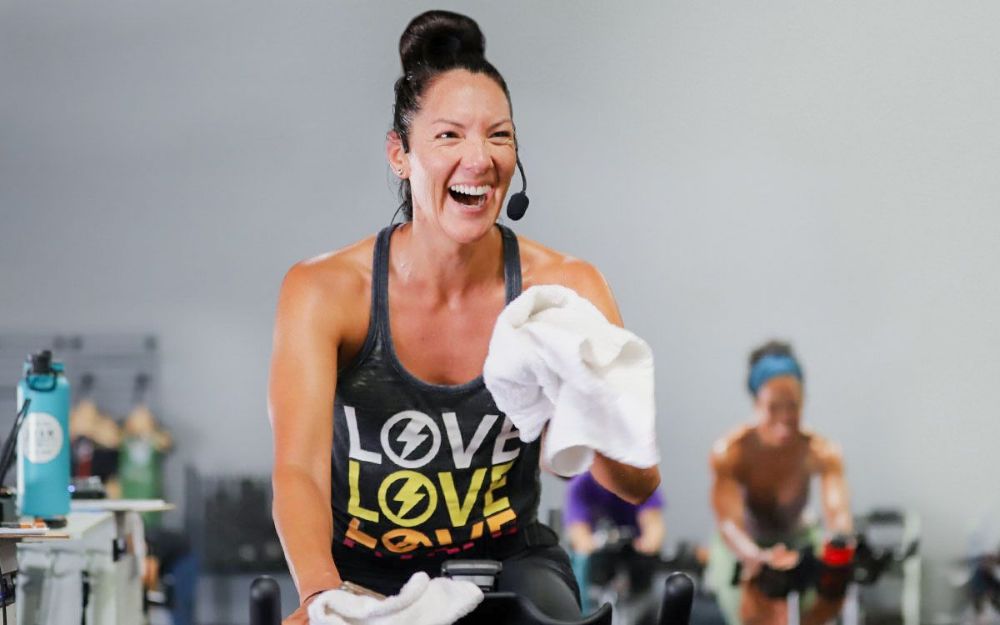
(517, 205)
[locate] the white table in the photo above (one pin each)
(106, 548)
(130, 543)
(9, 539)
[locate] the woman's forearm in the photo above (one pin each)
(304, 522)
(633, 484)
(739, 541)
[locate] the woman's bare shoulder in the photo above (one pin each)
(728, 449)
(335, 275)
(826, 454)
(329, 295)
(543, 265)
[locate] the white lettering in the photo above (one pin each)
(507, 432)
(352, 433)
(411, 436)
(463, 456)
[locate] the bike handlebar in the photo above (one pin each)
(265, 602)
(499, 608)
(678, 595)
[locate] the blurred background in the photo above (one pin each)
(824, 173)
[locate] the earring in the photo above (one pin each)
(399, 172)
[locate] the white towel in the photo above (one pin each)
(555, 358)
(421, 601)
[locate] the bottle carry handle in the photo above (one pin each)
(9, 445)
(28, 376)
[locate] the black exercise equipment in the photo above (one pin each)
(499, 608)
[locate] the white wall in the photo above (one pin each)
(823, 172)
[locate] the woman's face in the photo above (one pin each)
(462, 154)
(779, 409)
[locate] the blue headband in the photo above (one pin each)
(772, 366)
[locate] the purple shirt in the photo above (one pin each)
(589, 502)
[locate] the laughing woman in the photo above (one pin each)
(390, 453)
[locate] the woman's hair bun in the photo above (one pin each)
(771, 348)
(439, 38)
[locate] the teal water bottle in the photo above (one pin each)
(43, 468)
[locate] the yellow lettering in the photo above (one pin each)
(354, 533)
(354, 502)
(404, 541)
(498, 479)
(477, 530)
(497, 521)
(443, 536)
(460, 513)
(414, 490)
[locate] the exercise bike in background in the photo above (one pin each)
(979, 580)
(852, 568)
(497, 608)
(618, 575)
(631, 582)
(887, 567)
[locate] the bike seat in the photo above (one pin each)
(507, 608)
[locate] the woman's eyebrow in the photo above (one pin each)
(442, 120)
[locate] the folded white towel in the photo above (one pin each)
(555, 358)
(421, 601)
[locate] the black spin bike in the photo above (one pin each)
(862, 563)
(497, 608)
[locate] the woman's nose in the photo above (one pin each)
(476, 156)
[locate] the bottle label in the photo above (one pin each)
(43, 437)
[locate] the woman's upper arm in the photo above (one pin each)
(727, 494)
(833, 484)
(303, 375)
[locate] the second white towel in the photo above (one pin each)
(421, 601)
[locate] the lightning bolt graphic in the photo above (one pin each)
(408, 496)
(412, 437)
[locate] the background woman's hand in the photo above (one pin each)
(778, 557)
(782, 558)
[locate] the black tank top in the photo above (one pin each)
(422, 472)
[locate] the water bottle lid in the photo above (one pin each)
(41, 363)
(838, 551)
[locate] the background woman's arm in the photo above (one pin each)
(833, 489)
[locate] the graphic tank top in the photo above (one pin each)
(423, 472)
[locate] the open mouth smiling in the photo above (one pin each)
(469, 195)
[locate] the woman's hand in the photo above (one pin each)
(301, 614)
(782, 558)
(778, 557)
(646, 545)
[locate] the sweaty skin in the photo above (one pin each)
(761, 475)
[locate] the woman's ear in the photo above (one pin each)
(395, 153)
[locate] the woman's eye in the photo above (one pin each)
(447, 134)
(502, 134)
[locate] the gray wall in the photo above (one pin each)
(824, 172)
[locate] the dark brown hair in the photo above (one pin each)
(433, 43)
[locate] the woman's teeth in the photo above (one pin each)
(468, 194)
(469, 189)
